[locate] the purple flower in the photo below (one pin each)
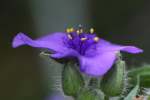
(96, 56)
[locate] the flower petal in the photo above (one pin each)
(100, 57)
(97, 65)
(67, 53)
(105, 46)
(54, 42)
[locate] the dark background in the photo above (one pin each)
(123, 22)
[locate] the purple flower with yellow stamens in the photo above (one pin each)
(96, 56)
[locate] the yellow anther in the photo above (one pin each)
(69, 36)
(68, 30)
(92, 30)
(71, 29)
(83, 39)
(96, 39)
(79, 31)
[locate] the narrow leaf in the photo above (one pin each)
(133, 92)
(143, 73)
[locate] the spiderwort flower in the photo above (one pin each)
(95, 55)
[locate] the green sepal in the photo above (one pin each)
(90, 94)
(113, 82)
(72, 79)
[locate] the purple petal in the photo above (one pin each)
(131, 49)
(99, 58)
(105, 46)
(54, 42)
(97, 65)
(68, 53)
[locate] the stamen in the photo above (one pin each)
(69, 36)
(71, 29)
(81, 30)
(78, 32)
(92, 30)
(96, 39)
(83, 39)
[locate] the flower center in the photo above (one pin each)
(81, 41)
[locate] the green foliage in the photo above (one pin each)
(133, 92)
(143, 73)
(148, 98)
(72, 80)
(145, 69)
(112, 83)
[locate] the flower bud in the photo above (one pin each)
(113, 82)
(72, 80)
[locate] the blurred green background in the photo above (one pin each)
(21, 71)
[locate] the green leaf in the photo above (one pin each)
(145, 69)
(113, 82)
(72, 80)
(90, 94)
(143, 73)
(145, 80)
(133, 92)
(148, 98)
